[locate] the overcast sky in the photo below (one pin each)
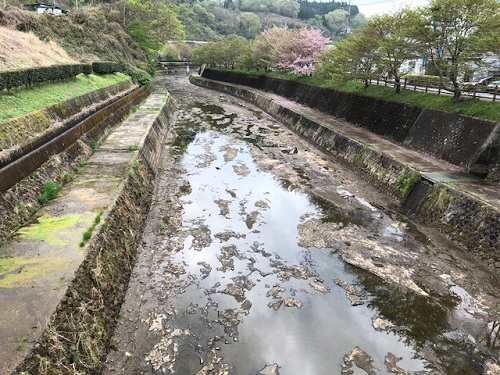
(371, 7)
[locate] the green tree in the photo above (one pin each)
(351, 58)
(228, 52)
(395, 42)
(151, 24)
(455, 32)
(336, 22)
(250, 25)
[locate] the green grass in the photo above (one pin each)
(483, 109)
(49, 191)
(88, 233)
(24, 100)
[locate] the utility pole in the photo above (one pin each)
(348, 28)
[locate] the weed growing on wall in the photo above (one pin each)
(405, 184)
(49, 191)
(88, 233)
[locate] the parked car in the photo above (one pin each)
(494, 85)
(480, 85)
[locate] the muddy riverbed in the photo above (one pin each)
(263, 256)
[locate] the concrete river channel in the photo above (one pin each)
(261, 255)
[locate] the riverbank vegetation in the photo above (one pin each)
(330, 43)
(21, 101)
(448, 38)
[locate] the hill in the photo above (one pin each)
(23, 50)
(89, 34)
(132, 32)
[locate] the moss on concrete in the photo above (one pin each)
(16, 271)
(405, 184)
(51, 229)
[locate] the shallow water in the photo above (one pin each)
(309, 340)
(231, 284)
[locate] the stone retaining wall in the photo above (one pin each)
(468, 220)
(464, 141)
(19, 133)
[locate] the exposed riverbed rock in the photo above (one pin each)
(226, 235)
(354, 295)
(390, 263)
(270, 370)
(360, 359)
(391, 361)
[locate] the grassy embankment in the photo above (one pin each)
(483, 109)
(24, 100)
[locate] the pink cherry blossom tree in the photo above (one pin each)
(299, 53)
(294, 51)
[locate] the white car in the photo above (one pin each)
(494, 85)
(480, 85)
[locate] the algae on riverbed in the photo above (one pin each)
(49, 228)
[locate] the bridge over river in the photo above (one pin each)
(263, 255)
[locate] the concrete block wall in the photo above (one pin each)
(470, 143)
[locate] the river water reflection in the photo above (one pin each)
(255, 256)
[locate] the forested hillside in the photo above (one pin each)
(213, 19)
(132, 32)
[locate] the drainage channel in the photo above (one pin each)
(94, 125)
(263, 256)
(52, 253)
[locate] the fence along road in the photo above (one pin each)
(437, 90)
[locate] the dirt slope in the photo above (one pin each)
(89, 34)
(22, 50)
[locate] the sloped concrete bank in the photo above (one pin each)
(469, 220)
(56, 151)
(24, 133)
(467, 142)
(76, 338)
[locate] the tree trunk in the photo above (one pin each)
(366, 83)
(457, 92)
(398, 84)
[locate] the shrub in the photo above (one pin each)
(87, 69)
(140, 76)
(32, 76)
(106, 67)
(423, 80)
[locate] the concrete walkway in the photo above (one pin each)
(430, 168)
(39, 262)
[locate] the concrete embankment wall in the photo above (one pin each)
(467, 142)
(25, 176)
(468, 220)
(77, 336)
(30, 130)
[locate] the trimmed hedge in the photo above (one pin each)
(423, 80)
(106, 67)
(32, 76)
